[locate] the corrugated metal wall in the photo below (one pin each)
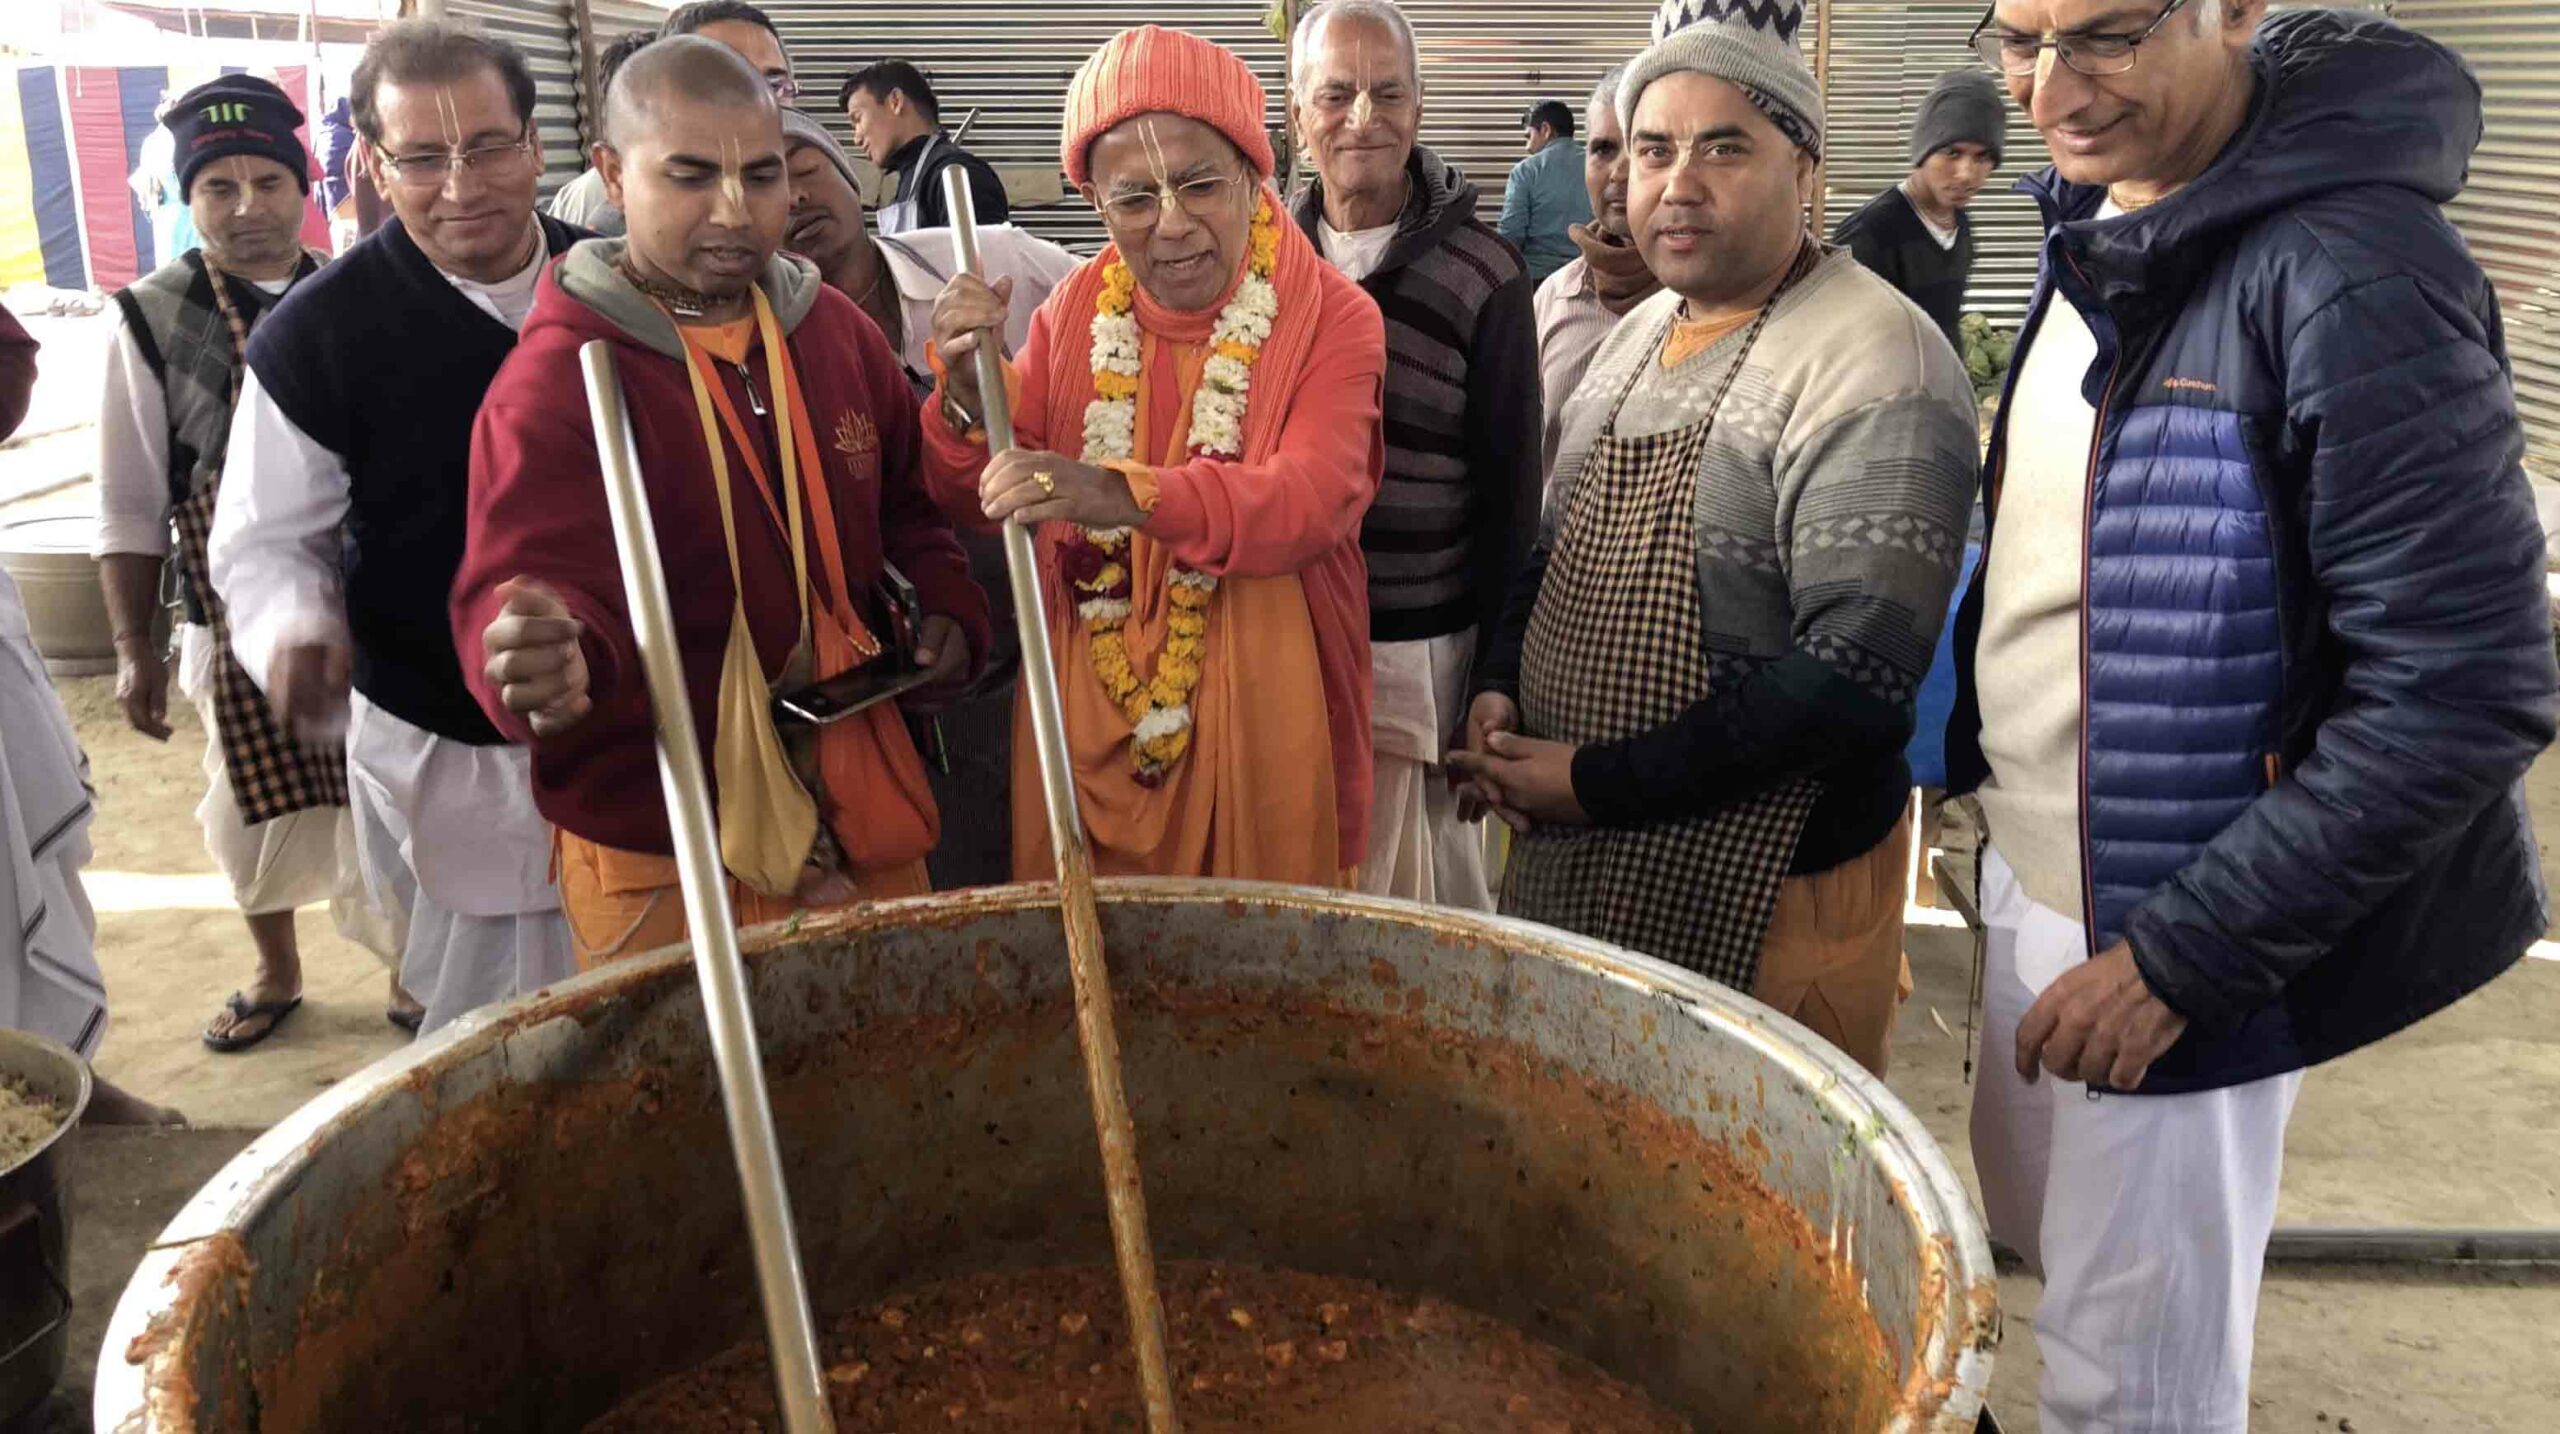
(2511, 212)
(1009, 59)
(542, 29)
(1884, 57)
(1484, 61)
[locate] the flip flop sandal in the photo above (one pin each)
(241, 1013)
(406, 1020)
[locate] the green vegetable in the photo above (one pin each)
(1986, 352)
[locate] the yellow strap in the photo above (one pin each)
(771, 330)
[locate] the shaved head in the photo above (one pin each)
(693, 157)
(684, 69)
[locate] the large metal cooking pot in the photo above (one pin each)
(35, 1229)
(514, 1224)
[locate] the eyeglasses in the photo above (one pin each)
(2097, 55)
(430, 169)
(1140, 209)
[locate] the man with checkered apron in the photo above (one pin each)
(1695, 709)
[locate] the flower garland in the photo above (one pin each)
(1096, 562)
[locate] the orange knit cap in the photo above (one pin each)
(1153, 70)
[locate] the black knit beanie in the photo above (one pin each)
(236, 114)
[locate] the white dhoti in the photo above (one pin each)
(1418, 848)
(449, 841)
(49, 980)
(289, 862)
(2147, 1215)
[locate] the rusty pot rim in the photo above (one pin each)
(270, 1166)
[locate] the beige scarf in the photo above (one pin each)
(1618, 272)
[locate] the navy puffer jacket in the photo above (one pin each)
(2316, 653)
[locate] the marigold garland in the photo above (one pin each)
(1096, 562)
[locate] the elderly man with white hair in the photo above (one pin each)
(1459, 502)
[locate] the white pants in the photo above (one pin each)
(2147, 1215)
(452, 846)
(1418, 849)
(291, 861)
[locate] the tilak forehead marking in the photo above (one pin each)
(240, 181)
(733, 182)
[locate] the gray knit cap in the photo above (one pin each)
(798, 128)
(1750, 44)
(1963, 107)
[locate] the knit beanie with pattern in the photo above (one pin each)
(1750, 44)
(1153, 70)
(1963, 107)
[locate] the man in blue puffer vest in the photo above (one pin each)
(2257, 659)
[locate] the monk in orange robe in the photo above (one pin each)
(1196, 419)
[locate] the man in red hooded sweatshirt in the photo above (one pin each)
(778, 440)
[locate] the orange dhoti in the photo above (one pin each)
(626, 903)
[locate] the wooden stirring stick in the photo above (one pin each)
(1095, 1032)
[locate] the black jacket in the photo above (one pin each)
(918, 165)
(2316, 653)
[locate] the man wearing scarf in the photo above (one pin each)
(274, 813)
(1216, 383)
(1696, 710)
(1580, 303)
(777, 439)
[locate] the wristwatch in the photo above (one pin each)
(961, 420)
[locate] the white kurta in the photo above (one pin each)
(446, 832)
(1419, 850)
(280, 865)
(922, 261)
(49, 980)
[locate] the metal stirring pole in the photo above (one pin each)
(708, 915)
(1096, 1033)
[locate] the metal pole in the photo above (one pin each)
(708, 915)
(1124, 1193)
(1822, 84)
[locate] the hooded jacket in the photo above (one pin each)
(1459, 503)
(538, 511)
(2316, 655)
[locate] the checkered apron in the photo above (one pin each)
(1614, 648)
(271, 774)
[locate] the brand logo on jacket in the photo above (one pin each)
(2188, 385)
(857, 436)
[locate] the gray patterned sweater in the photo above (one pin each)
(1830, 519)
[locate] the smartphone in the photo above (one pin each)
(839, 697)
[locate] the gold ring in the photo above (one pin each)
(1047, 480)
